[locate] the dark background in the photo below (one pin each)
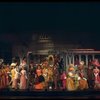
(72, 22)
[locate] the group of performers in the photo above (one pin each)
(50, 74)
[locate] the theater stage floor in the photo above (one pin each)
(86, 94)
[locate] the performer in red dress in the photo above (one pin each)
(64, 79)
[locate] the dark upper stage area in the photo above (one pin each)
(68, 22)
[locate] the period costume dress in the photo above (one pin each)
(76, 80)
(50, 77)
(55, 77)
(39, 83)
(13, 72)
(23, 79)
(12, 77)
(96, 72)
(70, 82)
(3, 78)
(63, 78)
(83, 84)
(70, 85)
(45, 75)
(7, 75)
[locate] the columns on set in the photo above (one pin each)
(71, 59)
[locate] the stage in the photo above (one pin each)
(41, 94)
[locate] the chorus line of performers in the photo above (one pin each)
(50, 74)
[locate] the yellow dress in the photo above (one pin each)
(12, 74)
(70, 82)
(12, 77)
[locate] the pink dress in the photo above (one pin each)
(63, 78)
(15, 84)
(23, 80)
(97, 78)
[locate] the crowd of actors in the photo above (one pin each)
(50, 74)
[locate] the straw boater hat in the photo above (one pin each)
(13, 64)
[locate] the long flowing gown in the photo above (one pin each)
(63, 78)
(23, 80)
(97, 78)
(14, 78)
(70, 85)
(83, 84)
